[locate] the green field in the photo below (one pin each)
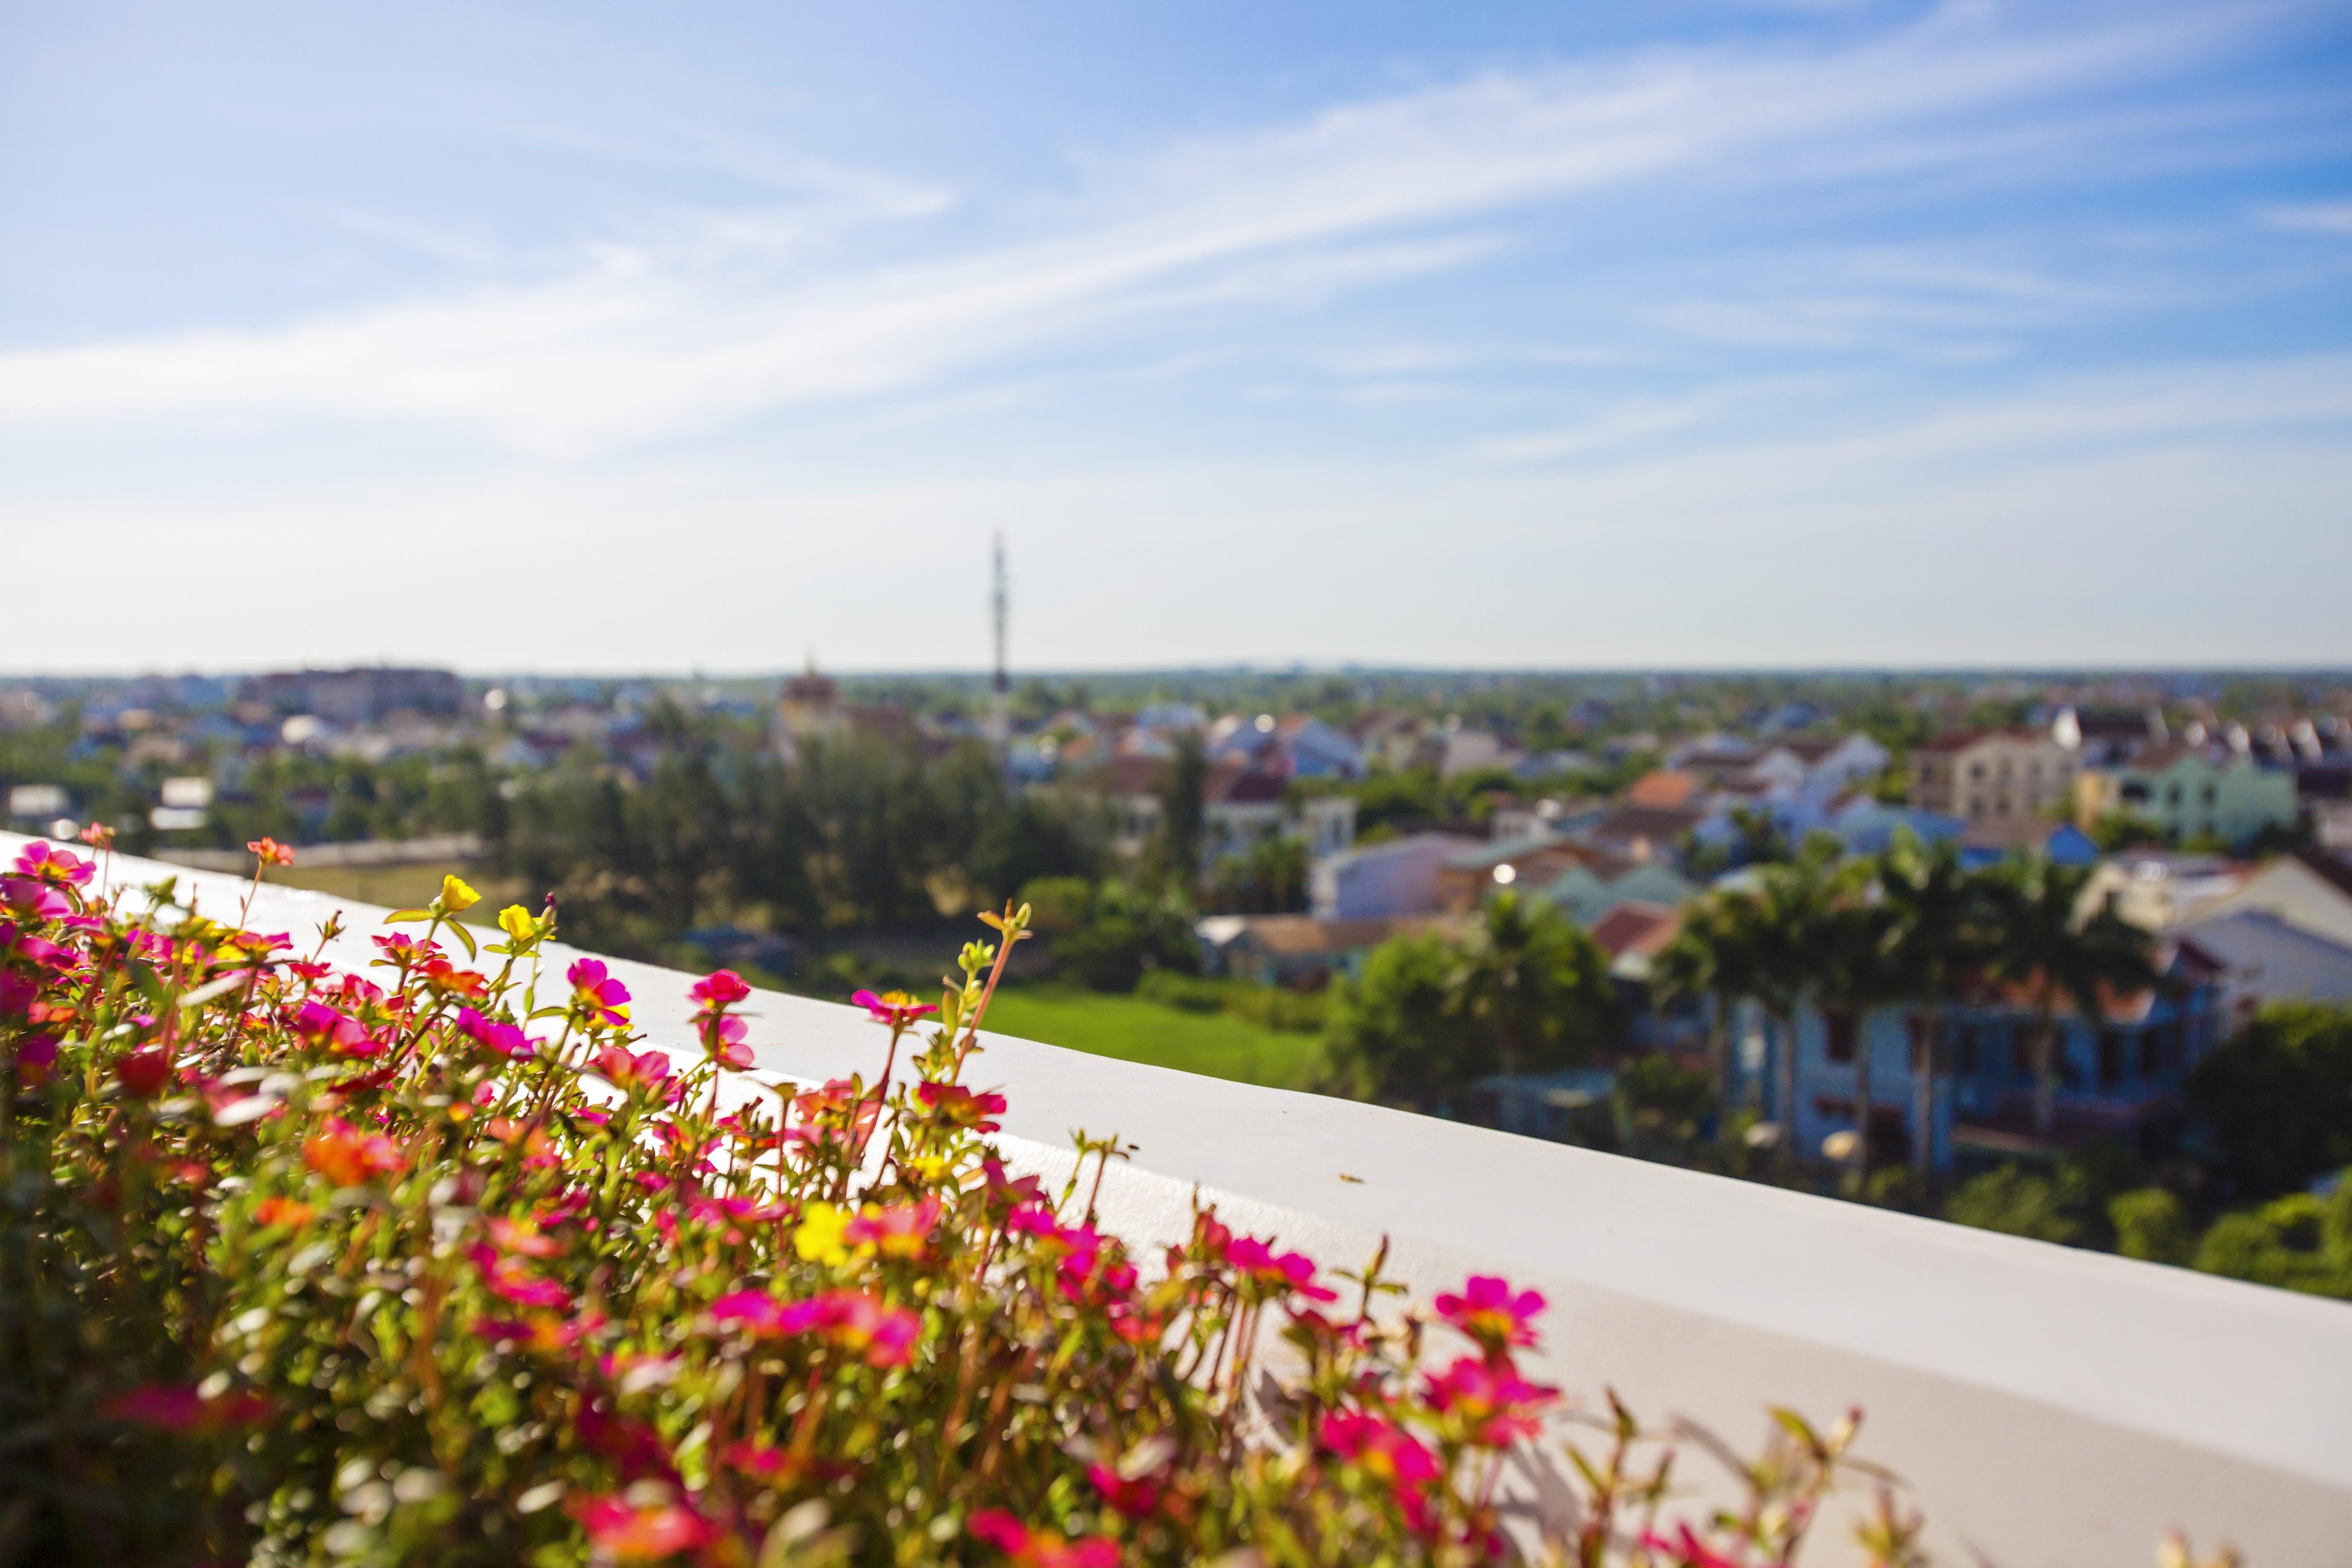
(1215, 1044)
(402, 887)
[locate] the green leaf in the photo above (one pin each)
(406, 917)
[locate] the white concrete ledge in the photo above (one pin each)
(2048, 1407)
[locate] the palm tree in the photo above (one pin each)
(1792, 913)
(1936, 934)
(1708, 956)
(2048, 945)
(1855, 976)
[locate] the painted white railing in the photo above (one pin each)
(2047, 1406)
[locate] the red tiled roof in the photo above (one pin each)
(1635, 927)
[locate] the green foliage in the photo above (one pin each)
(1527, 991)
(1120, 933)
(2154, 1225)
(2278, 1098)
(1130, 1028)
(2018, 1201)
(2299, 1242)
(1659, 1097)
(1270, 880)
(1269, 1005)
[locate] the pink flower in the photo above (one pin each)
(506, 1039)
(1493, 1402)
(523, 1237)
(721, 989)
(722, 1037)
(953, 1105)
(271, 852)
(37, 1058)
(626, 1532)
(178, 1407)
(885, 1336)
(510, 1278)
(16, 994)
(319, 1025)
(895, 1008)
(901, 1230)
(33, 900)
(1488, 1312)
(60, 866)
(1138, 1498)
(1276, 1275)
(1381, 1447)
(648, 1070)
(603, 998)
(1039, 1548)
(1685, 1549)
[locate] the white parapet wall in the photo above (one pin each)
(2046, 1406)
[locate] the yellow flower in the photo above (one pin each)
(518, 923)
(931, 1167)
(456, 896)
(819, 1237)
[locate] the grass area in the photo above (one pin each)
(1217, 1045)
(404, 887)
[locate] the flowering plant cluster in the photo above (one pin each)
(443, 1261)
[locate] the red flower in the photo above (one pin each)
(144, 1074)
(1137, 1496)
(951, 1104)
(348, 1156)
(178, 1407)
(627, 1532)
(604, 999)
(272, 853)
(1493, 1402)
(1039, 1548)
(282, 1211)
(1489, 1313)
(895, 1008)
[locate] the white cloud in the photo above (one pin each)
(2312, 217)
(738, 312)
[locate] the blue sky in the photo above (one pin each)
(620, 337)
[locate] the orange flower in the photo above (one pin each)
(272, 853)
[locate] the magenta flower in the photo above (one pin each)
(604, 999)
(953, 1105)
(624, 1532)
(722, 1037)
(895, 1008)
(320, 1025)
(1039, 1548)
(900, 1230)
(721, 989)
(648, 1070)
(1275, 1275)
(510, 1278)
(178, 1407)
(1488, 1312)
(60, 866)
(36, 1059)
(30, 899)
(505, 1039)
(1493, 1402)
(1379, 1445)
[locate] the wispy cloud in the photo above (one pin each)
(2312, 217)
(735, 312)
